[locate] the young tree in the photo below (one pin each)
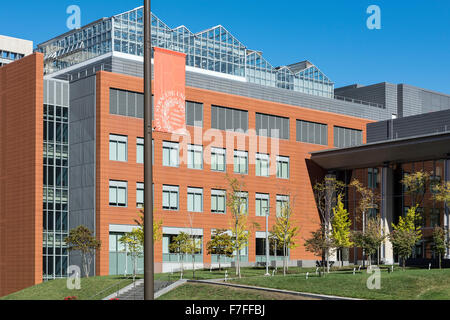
(238, 207)
(194, 246)
(320, 243)
(285, 231)
(442, 194)
(371, 239)
(440, 243)
(416, 185)
(274, 244)
(406, 234)
(82, 239)
(132, 240)
(220, 244)
(367, 201)
(340, 231)
(180, 246)
(157, 228)
(326, 194)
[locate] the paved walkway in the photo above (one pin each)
(136, 291)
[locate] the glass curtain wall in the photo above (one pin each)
(55, 182)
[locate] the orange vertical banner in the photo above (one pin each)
(170, 91)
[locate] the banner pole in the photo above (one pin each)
(148, 165)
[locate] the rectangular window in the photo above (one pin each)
(373, 178)
(312, 132)
(241, 162)
(243, 202)
(347, 137)
(282, 204)
(223, 118)
(117, 193)
(170, 154)
(262, 165)
(139, 195)
(218, 159)
(218, 201)
(195, 157)
(282, 167)
(118, 147)
(435, 217)
(194, 114)
(140, 150)
(126, 103)
(195, 200)
(170, 197)
(262, 204)
(272, 126)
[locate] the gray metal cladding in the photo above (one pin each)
(82, 147)
(417, 125)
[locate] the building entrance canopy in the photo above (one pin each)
(419, 148)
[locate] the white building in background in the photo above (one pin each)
(12, 49)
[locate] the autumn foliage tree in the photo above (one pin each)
(367, 201)
(286, 232)
(440, 243)
(237, 203)
(220, 244)
(326, 193)
(340, 223)
(406, 233)
(320, 243)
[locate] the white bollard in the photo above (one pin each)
(307, 274)
(392, 268)
(359, 268)
(210, 268)
(226, 275)
(354, 270)
(317, 271)
(273, 272)
(429, 266)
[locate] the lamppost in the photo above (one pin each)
(149, 290)
(267, 241)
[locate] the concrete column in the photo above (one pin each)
(387, 212)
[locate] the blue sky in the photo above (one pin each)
(413, 45)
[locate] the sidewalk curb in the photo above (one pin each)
(303, 294)
(169, 288)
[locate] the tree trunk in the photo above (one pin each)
(218, 259)
(85, 265)
(275, 253)
(440, 261)
(193, 266)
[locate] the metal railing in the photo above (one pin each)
(115, 285)
(358, 101)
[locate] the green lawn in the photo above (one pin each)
(196, 291)
(415, 284)
(57, 289)
(410, 284)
